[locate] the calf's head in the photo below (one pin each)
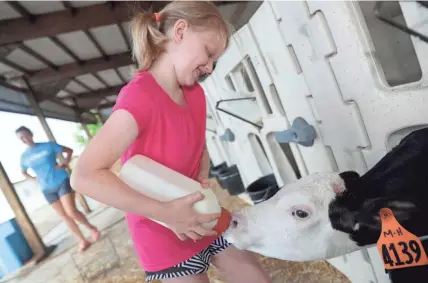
(326, 215)
(294, 224)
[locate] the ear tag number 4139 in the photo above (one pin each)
(398, 247)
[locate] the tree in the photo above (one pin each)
(80, 135)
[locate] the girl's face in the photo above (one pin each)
(194, 52)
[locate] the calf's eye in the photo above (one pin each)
(300, 213)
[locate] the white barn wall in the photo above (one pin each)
(330, 63)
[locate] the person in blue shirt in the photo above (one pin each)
(54, 182)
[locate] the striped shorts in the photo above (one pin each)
(195, 265)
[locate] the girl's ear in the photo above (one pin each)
(180, 27)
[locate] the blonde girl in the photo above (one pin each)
(161, 114)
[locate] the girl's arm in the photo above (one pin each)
(92, 177)
(68, 154)
(27, 176)
(204, 167)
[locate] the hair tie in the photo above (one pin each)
(156, 16)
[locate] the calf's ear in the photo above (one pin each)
(350, 178)
(369, 213)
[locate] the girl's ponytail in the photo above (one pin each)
(147, 40)
(148, 29)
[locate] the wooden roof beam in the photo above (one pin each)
(91, 100)
(102, 93)
(76, 69)
(22, 11)
(107, 105)
(98, 106)
(69, 7)
(48, 25)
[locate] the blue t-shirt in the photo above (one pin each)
(41, 158)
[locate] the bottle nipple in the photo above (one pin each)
(223, 221)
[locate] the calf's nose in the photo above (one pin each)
(236, 221)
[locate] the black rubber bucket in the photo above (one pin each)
(230, 180)
(263, 188)
(217, 169)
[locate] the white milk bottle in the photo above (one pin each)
(161, 183)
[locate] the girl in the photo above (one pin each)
(161, 114)
(54, 182)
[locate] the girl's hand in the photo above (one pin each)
(181, 218)
(206, 183)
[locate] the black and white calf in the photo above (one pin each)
(326, 215)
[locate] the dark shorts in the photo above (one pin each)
(53, 195)
(195, 265)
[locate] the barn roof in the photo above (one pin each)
(74, 56)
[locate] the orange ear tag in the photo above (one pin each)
(398, 247)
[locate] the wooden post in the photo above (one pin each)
(21, 216)
(38, 111)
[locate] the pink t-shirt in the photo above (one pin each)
(174, 136)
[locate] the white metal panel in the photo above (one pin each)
(49, 50)
(4, 69)
(329, 63)
(75, 87)
(15, 97)
(7, 12)
(110, 77)
(91, 81)
(81, 4)
(25, 60)
(356, 266)
(127, 71)
(238, 152)
(110, 39)
(290, 83)
(383, 109)
(244, 47)
(416, 17)
(215, 153)
(42, 7)
(388, 112)
(311, 34)
(307, 31)
(80, 44)
(126, 28)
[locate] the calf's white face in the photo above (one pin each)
(294, 224)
